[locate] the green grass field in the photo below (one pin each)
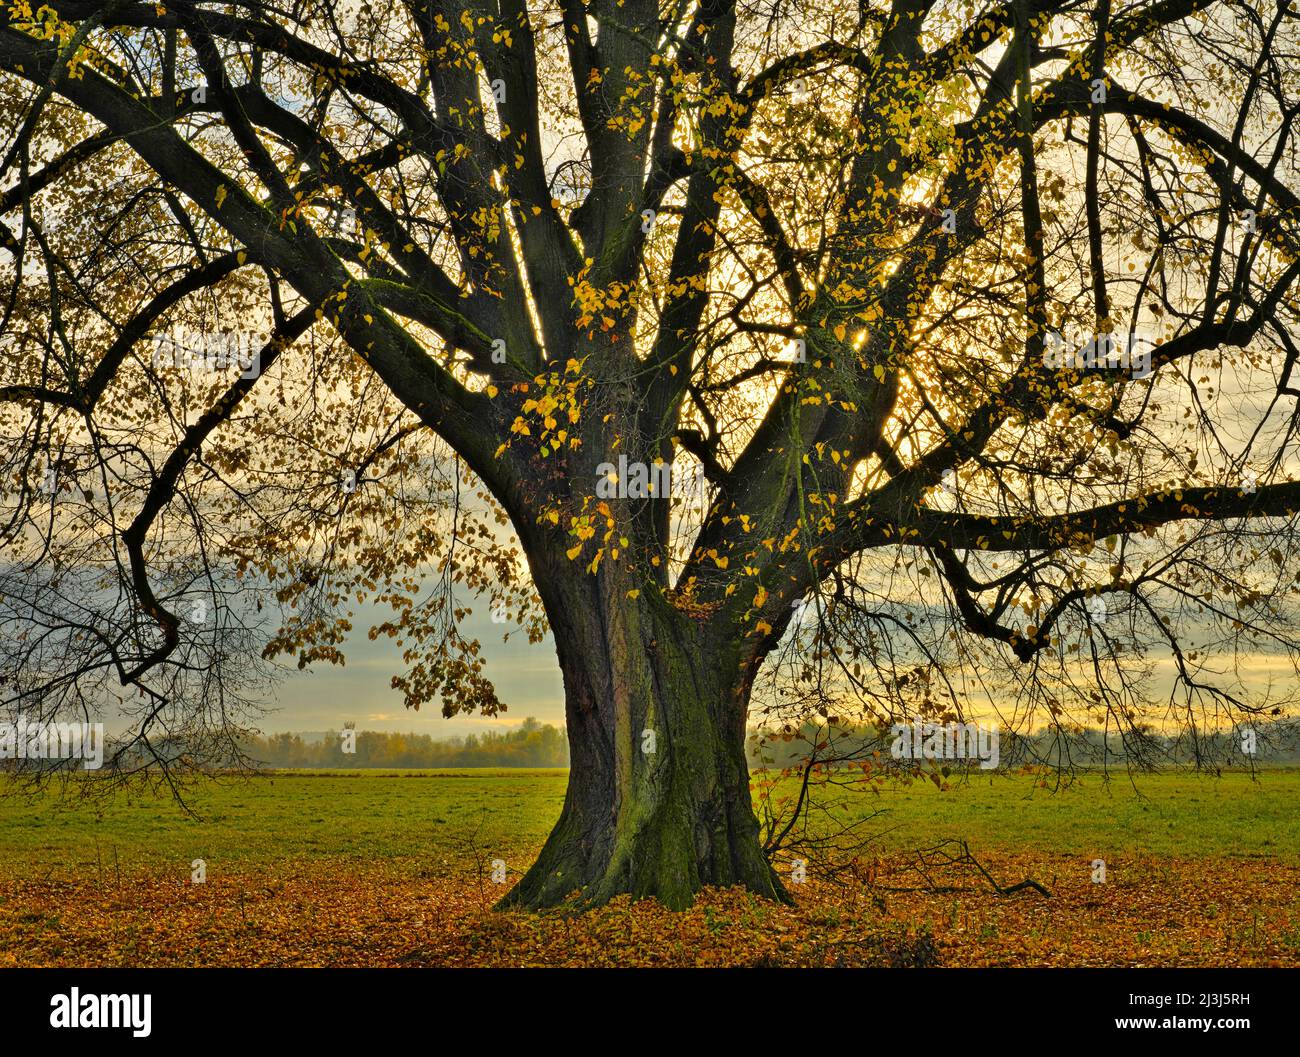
(438, 815)
(372, 869)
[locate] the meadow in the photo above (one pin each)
(384, 868)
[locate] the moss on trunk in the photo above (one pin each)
(658, 802)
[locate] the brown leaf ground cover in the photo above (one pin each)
(1152, 911)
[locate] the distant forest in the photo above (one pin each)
(1276, 743)
(534, 744)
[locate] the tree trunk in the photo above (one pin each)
(658, 802)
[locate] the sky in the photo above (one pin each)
(527, 678)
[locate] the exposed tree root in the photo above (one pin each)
(951, 853)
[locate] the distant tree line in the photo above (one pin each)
(1272, 743)
(533, 744)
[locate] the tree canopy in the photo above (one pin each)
(912, 358)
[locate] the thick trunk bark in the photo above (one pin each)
(658, 802)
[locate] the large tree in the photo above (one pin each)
(883, 280)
